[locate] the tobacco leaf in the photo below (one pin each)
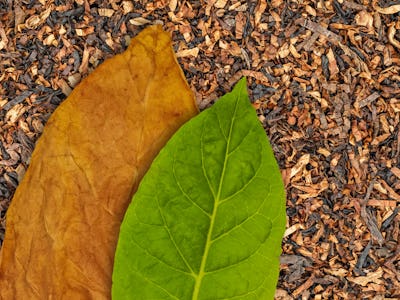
(208, 218)
(63, 222)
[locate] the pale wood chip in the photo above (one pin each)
(390, 191)
(188, 52)
(127, 7)
(395, 171)
(364, 18)
(260, 9)
(300, 165)
(4, 39)
(63, 85)
(172, 5)
(220, 3)
(375, 277)
(391, 38)
(139, 21)
(390, 10)
(292, 229)
(35, 21)
(83, 68)
(105, 12)
(333, 67)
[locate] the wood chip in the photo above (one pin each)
(262, 5)
(188, 52)
(220, 3)
(315, 27)
(301, 163)
(390, 10)
(106, 12)
(369, 219)
(371, 98)
(36, 20)
(374, 277)
(391, 38)
(139, 21)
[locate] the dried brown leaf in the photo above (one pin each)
(63, 222)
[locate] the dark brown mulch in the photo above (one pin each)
(324, 75)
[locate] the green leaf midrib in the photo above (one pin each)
(200, 276)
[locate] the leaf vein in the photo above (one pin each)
(157, 258)
(241, 142)
(153, 282)
(215, 209)
(202, 163)
(241, 223)
(243, 187)
(172, 238)
(241, 261)
(183, 192)
(220, 127)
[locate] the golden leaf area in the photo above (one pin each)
(64, 219)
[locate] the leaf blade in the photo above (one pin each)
(63, 221)
(217, 206)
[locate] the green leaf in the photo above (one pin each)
(208, 218)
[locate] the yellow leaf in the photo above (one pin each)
(63, 222)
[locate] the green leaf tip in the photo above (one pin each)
(208, 218)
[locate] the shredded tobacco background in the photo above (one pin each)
(323, 75)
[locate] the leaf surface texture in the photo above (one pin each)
(208, 218)
(63, 222)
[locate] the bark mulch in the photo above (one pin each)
(323, 75)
